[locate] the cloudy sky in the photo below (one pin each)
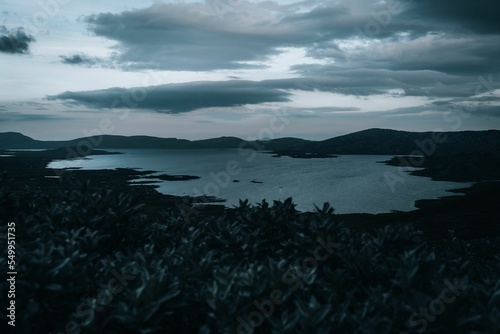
(197, 69)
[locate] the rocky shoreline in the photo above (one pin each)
(29, 168)
(469, 167)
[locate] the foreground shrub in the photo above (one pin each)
(95, 262)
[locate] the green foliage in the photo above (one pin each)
(201, 276)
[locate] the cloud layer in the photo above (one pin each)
(229, 34)
(359, 61)
(424, 48)
(15, 41)
(178, 98)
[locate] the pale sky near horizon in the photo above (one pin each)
(199, 69)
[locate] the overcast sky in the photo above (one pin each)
(199, 69)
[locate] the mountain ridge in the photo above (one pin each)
(370, 141)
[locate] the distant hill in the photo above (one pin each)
(392, 142)
(16, 140)
(372, 141)
(12, 140)
(222, 142)
(382, 141)
(119, 142)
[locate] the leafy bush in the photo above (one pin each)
(220, 274)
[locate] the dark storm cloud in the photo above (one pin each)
(14, 41)
(480, 16)
(477, 106)
(431, 108)
(194, 36)
(421, 17)
(491, 111)
(183, 37)
(85, 60)
(484, 100)
(464, 55)
(11, 116)
(208, 36)
(76, 59)
(178, 98)
(452, 37)
(424, 48)
(478, 55)
(369, 81)
(476, 110)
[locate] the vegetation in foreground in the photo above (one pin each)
(95, 262)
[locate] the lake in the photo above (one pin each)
(351, 183)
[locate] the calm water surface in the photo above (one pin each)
(351, 183)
